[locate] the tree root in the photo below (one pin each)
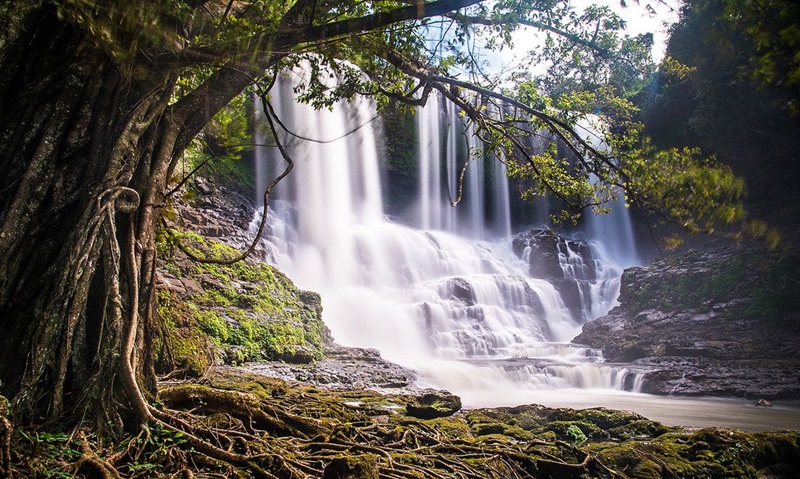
(91, 462)
(209, 432)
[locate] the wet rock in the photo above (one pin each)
(541, 248)
(434, 404)
(568, 265)
(548, 254)
(204, 186)
(460, 289)
(570, 292)
(342, 368)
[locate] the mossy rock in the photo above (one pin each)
(639, 429)
(634, 461)
(601, 417)
(575, 432)
(363, 466)
(451, 428)
(248, 311)
(494, 428)
(434, 404)
(233, 379)
(181, 347)
(594, 423)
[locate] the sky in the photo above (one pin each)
(646, 16)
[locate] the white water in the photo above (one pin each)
(436, 296)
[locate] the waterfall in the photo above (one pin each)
(447, 145)
(613, 232)
(448, 293)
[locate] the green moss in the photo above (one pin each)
(638, 429)
(181, 344)
(705, 454)
(574, 432)
(249, 309)
(212, 324)
(451, 427)
(633, 459)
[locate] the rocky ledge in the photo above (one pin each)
(719, 323)
(342, 368)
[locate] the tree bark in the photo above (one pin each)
(86, 145)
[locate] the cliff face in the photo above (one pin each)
(723, 322)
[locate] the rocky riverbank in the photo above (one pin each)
(716, 322)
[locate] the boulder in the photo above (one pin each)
(541, 249)
(553, 257)
(364, 466)
(434, 404)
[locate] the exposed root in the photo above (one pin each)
(205, 432)
(90, 462)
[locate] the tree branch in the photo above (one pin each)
(414, 69)
(269, 114)
(294, 37)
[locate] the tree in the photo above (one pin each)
(98, 100)
(730, 85)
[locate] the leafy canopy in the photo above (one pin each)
(581, 70)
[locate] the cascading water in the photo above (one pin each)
(463, 312)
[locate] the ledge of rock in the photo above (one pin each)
(706, 323)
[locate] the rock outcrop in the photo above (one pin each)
(706, 323)
(342, 369)
(217, 313)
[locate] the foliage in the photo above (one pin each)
(401, 134)
(219, 150)
(729, 85)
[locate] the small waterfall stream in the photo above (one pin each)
(447, 295)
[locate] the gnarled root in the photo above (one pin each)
(90, 465)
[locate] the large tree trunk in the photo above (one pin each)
(85, 146)
(88, 138)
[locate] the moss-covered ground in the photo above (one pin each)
(275, 430)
